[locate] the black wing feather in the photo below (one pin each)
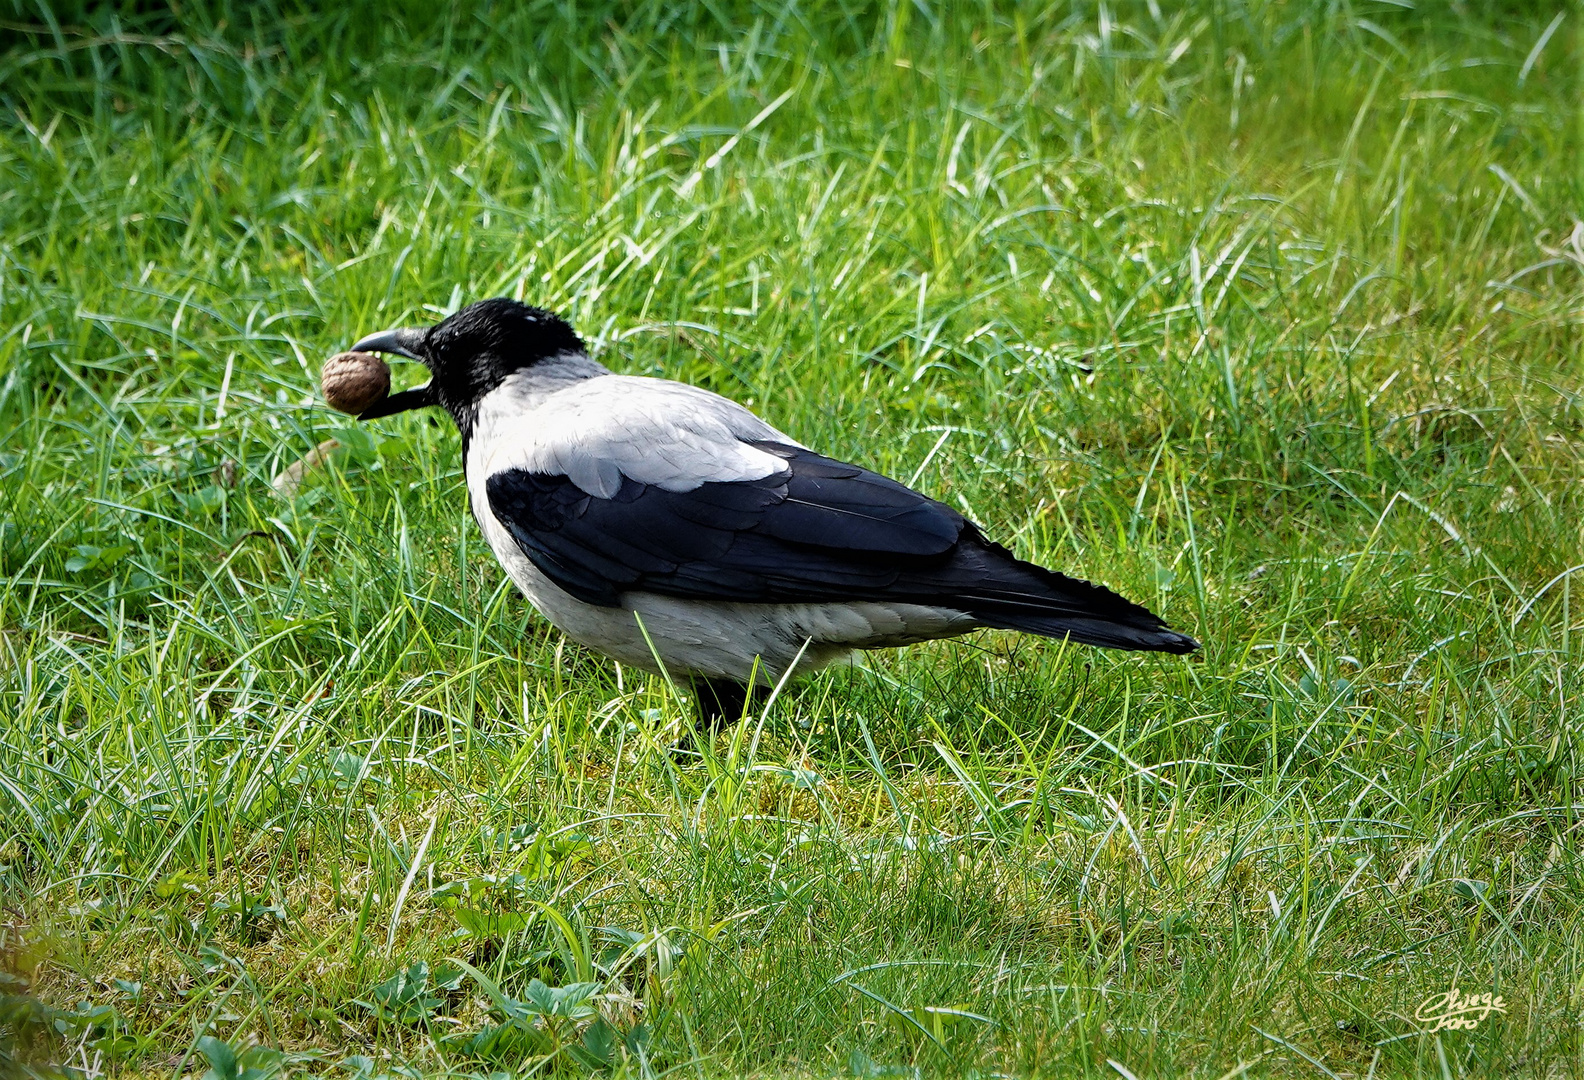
(823, 531)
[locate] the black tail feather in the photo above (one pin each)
(1006, 593)
(1108, 635)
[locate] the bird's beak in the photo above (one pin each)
(401, 343)
(420, 397)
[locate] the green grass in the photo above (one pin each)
(1265, 314)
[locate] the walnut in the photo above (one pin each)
(353, 381)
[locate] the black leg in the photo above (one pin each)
(721, 701)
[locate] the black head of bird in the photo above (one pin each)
(470, 353)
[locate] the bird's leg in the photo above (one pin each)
(720, 701)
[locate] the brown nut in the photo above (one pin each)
(353, 381)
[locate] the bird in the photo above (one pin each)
(675, 531)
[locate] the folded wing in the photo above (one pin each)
(816, 531)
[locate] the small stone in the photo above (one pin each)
(354, 381)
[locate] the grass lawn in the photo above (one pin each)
(1266, 314)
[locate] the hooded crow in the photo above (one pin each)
(647, 518)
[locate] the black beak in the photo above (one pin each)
(401, 343)
(420, 397)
